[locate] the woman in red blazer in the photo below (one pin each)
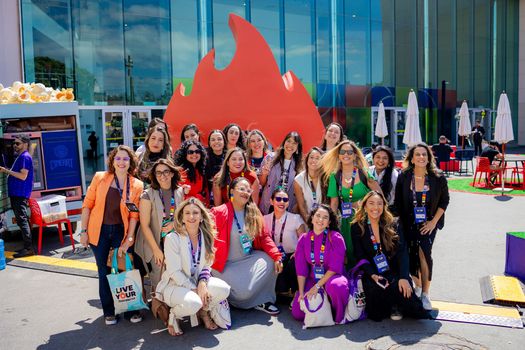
(246, 257)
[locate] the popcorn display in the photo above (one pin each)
(33, 93)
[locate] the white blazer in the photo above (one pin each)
(178, 262)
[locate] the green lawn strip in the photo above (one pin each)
(463, 185)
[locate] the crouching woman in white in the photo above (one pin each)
(187, 286)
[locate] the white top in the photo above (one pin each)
(293, 221)
(304, 181)
(379, 179)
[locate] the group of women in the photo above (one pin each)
(237, 220)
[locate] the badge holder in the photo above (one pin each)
(420, 214)
(381, 263)
(318, 273)
(346, 210)
(246, 243)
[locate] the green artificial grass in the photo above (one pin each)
(463, 185)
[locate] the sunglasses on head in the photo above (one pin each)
(190, 152)
(281, 199)
(346, 151)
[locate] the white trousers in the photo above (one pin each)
(185, 302)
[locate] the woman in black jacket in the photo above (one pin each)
(421, 200)
(386, 280)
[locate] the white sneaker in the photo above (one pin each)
(418, 291)
(425, 299)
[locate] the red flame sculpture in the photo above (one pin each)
(249, 91)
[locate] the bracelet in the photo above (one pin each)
(317, 286)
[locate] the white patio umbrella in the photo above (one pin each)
(412, 133)
(503, 132)
(464, 123)
(381, 127)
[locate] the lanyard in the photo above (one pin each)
(313, 188)
(285, 175)
(196, 257)
(351, 189)
(120, 190)
(282, 228)
(323, 245)
(172, 205)
(424, 194)
(239, 229)
(377, 245)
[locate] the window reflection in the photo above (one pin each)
(299, 38)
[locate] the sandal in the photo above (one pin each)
(207, 320)
(269, 308)
(173, 326)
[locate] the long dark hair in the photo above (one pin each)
(297, 156)
(187, 127)
(386, 184)
(241, 142)
(431, 165)
(223, 176)
(333, 224)
(174, 169)
(180, 159)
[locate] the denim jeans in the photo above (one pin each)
(110, 237)
(21, 210)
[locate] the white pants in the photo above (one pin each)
(185, 302)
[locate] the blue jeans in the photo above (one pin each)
(110, 237)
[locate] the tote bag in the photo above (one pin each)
(317, 311)
(126, 287)
(220, 314)
(355, 309)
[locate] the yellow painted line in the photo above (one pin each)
(476, 309)
(47, 260)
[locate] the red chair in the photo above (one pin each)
(36, 219)
(483, 167)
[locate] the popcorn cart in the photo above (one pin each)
(54, 130)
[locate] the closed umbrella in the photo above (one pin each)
(412, 133)
(503, 132)
(464, 123)
(381, 127)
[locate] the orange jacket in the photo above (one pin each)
(96, 200)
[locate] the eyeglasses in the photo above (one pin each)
(166, 173)
(342, 152)
(125, 159)
(190, 152)
(282, 199)
(245, 190)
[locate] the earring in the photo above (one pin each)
(231, 197)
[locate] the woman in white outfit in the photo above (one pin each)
(187, 286)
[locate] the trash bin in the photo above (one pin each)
(514, 256)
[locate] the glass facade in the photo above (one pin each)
(349, 54)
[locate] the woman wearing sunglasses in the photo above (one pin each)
(285, 228)
(191, 157)
(246, 257)
(157, 208)
(110, 217)
(319, 261)
(348, 181)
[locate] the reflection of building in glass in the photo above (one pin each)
(349, 54)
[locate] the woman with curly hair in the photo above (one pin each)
(234, 136)
(319, 261)
(421, 200)
(279, 169)
(186, 285)
(349, 179)
(246, 257)
(191, 157)
(157, 147)
(235, 165)
(386, 281)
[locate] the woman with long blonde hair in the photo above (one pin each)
(349, 180)
(186, 285)
(246, 256)
(379, 240)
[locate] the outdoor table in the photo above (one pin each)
(516, 160)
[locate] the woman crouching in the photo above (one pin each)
(187, 286)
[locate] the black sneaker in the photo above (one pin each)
(269, 308)
(24, 252)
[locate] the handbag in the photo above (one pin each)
(159, 308)
(220, 314)
(126, 287)
(355, 309)
(121, 260)
(317, 311)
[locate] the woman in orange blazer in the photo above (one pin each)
(110, 216)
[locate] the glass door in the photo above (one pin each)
(139, 127)
(399, 129)
(114, 129)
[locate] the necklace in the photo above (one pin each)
(420, 177)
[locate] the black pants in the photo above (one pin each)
(379, 301)
(477, 148)
(21, 210)
(287, 280)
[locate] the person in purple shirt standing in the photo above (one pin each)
(325, 270)
(19, 187)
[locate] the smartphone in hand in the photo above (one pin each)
(382, 282)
